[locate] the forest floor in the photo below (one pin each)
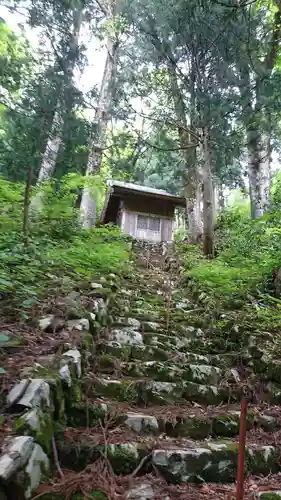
(171, 384)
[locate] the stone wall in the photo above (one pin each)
(41, 400)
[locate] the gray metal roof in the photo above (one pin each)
(143, 189)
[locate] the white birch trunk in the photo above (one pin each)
(88, 202)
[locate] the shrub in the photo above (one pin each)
(59, 251)
(246, 253)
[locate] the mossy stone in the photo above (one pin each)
(263, 460)
(226, 425)
(121, 390)
(195, 428)
(107, 361)
(77, 455)
(114, 349)
(270, 495)
(84, 414)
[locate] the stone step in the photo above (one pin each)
(193, 422)
(130, 336)
(150, 488)
(160, 314)
(180, 342)
(176, 460)
(159, 351)
(143, 392)
(126, 352)
(165, 371)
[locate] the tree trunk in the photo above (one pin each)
(208, 198)
(193, 209)
(52, 149)
(192, 186)
(259, 126)
(259, 167)
(103, 111)
(55, 138)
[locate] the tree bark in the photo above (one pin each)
(55, 138)
(192, 185)
(88, 201)
(51, 152)
(259, 160)
(208, 198)
(103, 111)
(258, 126)
(193, 209)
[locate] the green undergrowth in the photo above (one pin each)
(247, 253)
(236, 292)
(57, 253)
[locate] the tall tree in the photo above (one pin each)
(67, 63)
(103, 109)
(259, 116)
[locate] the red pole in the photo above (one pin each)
(241, 451)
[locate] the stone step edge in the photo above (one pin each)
(168, 371)
(139, 350)
(191, 425)
(210, 462)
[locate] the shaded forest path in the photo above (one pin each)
(156, 412)
(163, 394)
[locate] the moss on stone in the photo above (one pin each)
(58, 398)
(77, 455)
(205, 394)
(107, 361)
(270, 496)
(263, 460)
(83, 415)
(159, 393)
(226, 425)
(158, 353)
(160, 371)
(114, 349)
(124, 458)
(195, 428)
(44, 434)
(145, 315)
(121, 390)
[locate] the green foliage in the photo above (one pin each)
(247, 253)
(14, 59)
(59, 253)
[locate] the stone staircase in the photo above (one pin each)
(162, 399)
